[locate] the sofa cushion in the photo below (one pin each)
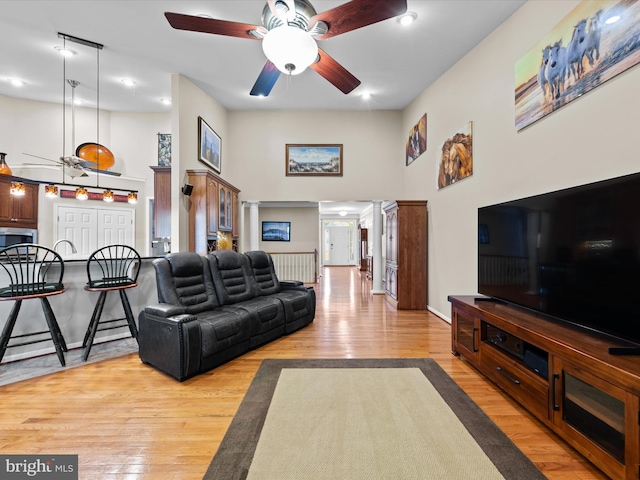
(183, 278)
(263, 271)
(231, 277)
(221, 330)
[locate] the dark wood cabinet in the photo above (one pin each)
(213, 212)
(364, 248)
(406, 260)
(563, 374)
(18, 211)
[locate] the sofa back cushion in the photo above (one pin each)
(264, 273)
(183, 278)
(231, 277)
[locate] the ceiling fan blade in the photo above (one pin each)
(217, 27)
(43, 158)
(102, 172)
(335, 73)
(357, 14)
(266, 80)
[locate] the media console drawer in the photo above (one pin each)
(525, 386)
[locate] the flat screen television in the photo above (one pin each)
(276, 231)
(572, 255)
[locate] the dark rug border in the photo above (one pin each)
(235, 454)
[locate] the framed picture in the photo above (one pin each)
(164, 149)
(276, 231)
(209, 146)
(417, 141)
(596, 41)
(314, 160)
(456, 158)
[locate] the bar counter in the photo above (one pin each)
(73, 309)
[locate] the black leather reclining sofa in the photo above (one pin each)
(214, 308)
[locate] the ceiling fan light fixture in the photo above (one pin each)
(290, 49)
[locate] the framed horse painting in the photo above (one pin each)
(596, 41)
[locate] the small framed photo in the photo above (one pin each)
(209, 146)
(314, 160)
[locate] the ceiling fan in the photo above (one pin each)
(84, 161)
(289, 32)
(89, 157)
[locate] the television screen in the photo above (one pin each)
(572, 254)
(276, 231)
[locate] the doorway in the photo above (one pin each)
(338, 243)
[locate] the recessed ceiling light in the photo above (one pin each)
(77, 101)
(366, 96)
(165, 101)
(407, 19)
(612, 19)
(16, 82)
(128, 82)
(343, 213)
(65, 52)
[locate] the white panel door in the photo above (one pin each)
(115, 227)
(339, 245)
(79, 225)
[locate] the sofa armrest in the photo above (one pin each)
(290, 283)
(164, 310)
(171, 344)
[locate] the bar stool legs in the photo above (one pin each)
(56, 335)
(54, 329)
(95, 321)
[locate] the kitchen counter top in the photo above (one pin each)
(73, 309)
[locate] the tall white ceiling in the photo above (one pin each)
(395, 64)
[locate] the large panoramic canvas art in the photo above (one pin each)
(596, 41)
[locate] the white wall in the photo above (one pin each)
(587, 140)
(34, 127)
(188, 102)
(305, 228)
(254, 154)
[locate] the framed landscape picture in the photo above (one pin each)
(314, 160)
(209, 146)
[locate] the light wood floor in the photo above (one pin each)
(128, 421)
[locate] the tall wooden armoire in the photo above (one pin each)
(406, 262)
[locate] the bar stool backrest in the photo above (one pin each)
(113, 266)
(29, 270)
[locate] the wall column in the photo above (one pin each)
(378, 270)
(254, 226)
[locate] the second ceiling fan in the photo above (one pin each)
(289, 32)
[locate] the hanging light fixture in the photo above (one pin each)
(81, 193)
(290, 49)
(17, 189)
(107, 196)
(132, 197)
(51, 191)
(4, 168)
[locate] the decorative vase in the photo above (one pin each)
(4, 168)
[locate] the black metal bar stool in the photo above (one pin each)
(114, 267)
(31, 271)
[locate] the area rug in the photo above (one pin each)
(19, 370)
(362, 419)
